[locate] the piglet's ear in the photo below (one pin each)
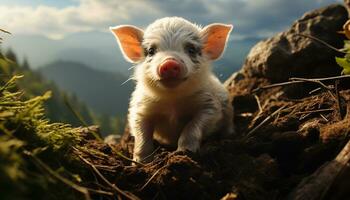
(129, 39)
(215, 37)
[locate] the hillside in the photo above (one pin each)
(102, 91)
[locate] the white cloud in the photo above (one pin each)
(251, 18)
(88, 15)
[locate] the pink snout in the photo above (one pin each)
(169, 69)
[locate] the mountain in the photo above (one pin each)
(85, 47)
(104, 92)
(100, 51)
(33, 84)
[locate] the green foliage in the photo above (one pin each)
(23, 128)
(344, 63)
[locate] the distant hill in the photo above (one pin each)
(102, 91)
(100, 51)
(33, 84)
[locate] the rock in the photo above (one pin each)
(290, 55)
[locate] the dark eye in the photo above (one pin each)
(191, 49)
(151, 51)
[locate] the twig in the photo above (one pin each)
(315, 90)
(118, 190)
(151, 154)
(300, 81)
(78, 188)
(128, 159)
(328, 89)
(100, 192)
(124, 157)
(5, 31)
(311, 81)
(152, 177)
(259, 104)
(264, 121)
(304, 116)
(323, 117)
(315, 111)
(322, 42)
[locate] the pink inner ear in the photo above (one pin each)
(130, 41)
(216, 40)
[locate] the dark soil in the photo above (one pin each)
(308, 131)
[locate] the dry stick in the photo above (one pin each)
(315, 90)
(300, 81)
(315, 111)
(125, 157)
(78, 188)
(328, 89)
(322, 42)
(264, 121)
(152, 177)
(317, 185)
(151, 154)
(258, 102)
(120, 155)
(118, 190)
(304, 116)
(325, 119)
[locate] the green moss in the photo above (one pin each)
(24, 128)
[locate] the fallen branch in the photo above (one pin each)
(317, 185)
(118, 190)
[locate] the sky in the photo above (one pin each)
(42, 30)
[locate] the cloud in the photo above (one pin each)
(251, 18)
(88, 15)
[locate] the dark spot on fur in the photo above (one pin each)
(193, 51)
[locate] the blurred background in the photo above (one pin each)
(65, 46)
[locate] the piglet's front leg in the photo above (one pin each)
(204, 121)
(142, 129)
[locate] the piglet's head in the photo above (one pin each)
(172, 52)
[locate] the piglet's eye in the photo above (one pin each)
(151, 51)
(191, 49)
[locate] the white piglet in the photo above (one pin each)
(177, 100)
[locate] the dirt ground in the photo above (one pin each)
(283, 135)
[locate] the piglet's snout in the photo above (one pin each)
(170, 69)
